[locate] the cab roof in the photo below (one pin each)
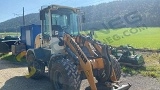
(55, 7)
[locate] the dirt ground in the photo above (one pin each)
(12, 78)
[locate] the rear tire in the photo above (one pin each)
(102, 73)
(116, 66)
(64, 75)
(39, 66)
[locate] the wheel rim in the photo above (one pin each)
(58, 80)
(30, 60)
(32, 63)
(35, 65)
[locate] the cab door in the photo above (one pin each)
(46, 31)
(57, 32)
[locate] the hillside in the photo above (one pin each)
(99, 16)
(116, 11)
(14, 24)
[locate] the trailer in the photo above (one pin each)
(27, 38)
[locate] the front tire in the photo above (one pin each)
(64, 75)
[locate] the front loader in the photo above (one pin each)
(69, 56)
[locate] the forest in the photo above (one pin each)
(112, 15)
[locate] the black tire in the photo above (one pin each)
(105, 73)
(64, 75)
(104, 76)
(39, 66)
(116, 66)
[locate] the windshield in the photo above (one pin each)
(64, 20)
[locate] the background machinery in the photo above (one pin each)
(69, 56)
(126, 56)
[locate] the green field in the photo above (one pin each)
(142, 37)
(2, 35)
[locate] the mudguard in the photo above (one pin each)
(40, 54)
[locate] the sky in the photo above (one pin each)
(14, 8)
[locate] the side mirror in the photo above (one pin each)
(91, 33)
(83, 18)
(42, 15)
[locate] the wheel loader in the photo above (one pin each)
(69, 56)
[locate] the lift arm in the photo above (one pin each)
(84, 62)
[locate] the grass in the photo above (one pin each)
(142, 37)
(151, 69)
(2, 35)
(10, 57)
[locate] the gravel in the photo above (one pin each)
(12, 78)
(141, 83)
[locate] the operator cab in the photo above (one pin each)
(57, 20)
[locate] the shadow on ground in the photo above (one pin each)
(7, 64)
(22, 83)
